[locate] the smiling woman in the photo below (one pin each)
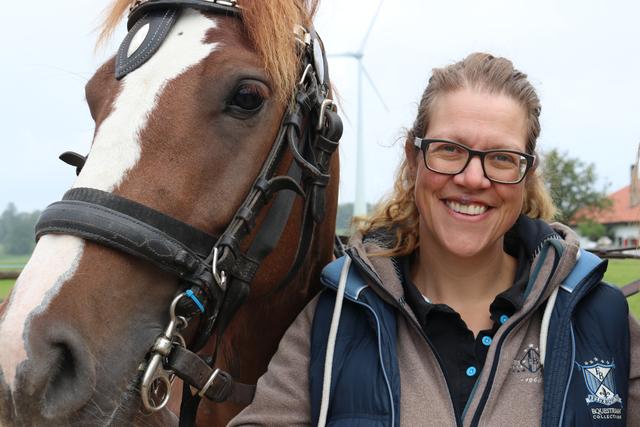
(456, 292)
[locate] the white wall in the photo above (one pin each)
(625, 231)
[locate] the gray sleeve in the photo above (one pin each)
(633, 404)
(282, 393)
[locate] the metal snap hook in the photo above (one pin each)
(155, 389)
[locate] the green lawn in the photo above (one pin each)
(10, 262)
(621, 272)
(5, 287)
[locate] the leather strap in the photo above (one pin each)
(129, 227)
(195, 371)
(141, 7)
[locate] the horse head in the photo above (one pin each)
(212, 146)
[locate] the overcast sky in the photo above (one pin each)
(582, 56)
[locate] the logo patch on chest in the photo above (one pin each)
(527, 366)
(599, 378)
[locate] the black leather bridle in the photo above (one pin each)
(215, 273)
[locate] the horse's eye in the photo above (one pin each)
(246, 98)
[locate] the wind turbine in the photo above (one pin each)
(360, 206)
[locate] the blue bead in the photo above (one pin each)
(486, 341)
(471, 371)
(503, 319)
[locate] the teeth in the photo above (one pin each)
(466, 209)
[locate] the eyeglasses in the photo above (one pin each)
(451, 158)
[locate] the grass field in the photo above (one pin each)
(620, 272)
(13, 262)
(5, 287)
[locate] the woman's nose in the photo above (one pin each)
(473, 175)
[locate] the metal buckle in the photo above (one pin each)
(220, 278)
(305, 74)
(325, 104)
(206, 386)
(302, 35)
(230, 3)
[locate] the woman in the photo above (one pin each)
(462, 305)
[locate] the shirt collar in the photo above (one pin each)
(506, 302)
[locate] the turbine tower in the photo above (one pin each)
(360, 204)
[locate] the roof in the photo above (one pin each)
(620, 211)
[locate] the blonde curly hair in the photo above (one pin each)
(481, 71)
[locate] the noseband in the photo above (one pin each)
(214, 272)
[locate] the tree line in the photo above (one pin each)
(17, 235)
(572, 183)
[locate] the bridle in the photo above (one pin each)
(215, 272)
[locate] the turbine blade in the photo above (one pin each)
(375, 89)
(373, 21)
(344, 55)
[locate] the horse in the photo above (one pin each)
(199, 221)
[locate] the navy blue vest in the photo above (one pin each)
(585, 373)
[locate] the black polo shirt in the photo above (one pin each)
(461, 355)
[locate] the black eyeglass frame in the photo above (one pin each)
(423, 143)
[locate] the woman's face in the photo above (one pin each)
(466, 214)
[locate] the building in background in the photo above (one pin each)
(623, 218)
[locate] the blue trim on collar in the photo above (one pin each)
(331, 275)
(585, 263)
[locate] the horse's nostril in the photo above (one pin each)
(63, 370)
(70, 377)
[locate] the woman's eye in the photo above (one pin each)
(504, 160)
(247, 98)
(444, 148)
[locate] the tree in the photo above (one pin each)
(572, 184)
(17, 230)
(591, 229)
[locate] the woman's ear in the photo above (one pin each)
(412, 154)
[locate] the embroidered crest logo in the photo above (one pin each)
(527, 366)
(600, 381)
(531, 360)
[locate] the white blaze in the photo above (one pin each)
(115, 151)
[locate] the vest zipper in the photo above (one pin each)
(374, 277)
(566, 390)
(485, 394)
(382, 365)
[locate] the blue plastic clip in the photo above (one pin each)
(195, 299)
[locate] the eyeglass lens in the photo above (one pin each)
(449, 158)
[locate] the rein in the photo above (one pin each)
(214, 272)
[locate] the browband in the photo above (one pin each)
(140, 7)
